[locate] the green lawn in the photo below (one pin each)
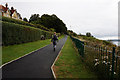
(69, 64)
(14, 51)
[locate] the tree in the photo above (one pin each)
(25, 19)
(34, 17)
(49, 21)
(74, 34)
(88, 34)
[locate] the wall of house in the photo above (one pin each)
(7, 14)
(0, 12)
(14, 15)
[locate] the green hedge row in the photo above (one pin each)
(11, 20)
(15, 33)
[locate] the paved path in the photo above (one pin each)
(36, 65)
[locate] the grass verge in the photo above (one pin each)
(14, 51)
(70, 65)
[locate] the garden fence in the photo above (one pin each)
(108, 59)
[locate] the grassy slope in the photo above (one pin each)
(14, 51)
(94, 41)
(69, 64)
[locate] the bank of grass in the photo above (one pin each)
(92, 41)
(14, 51)
(70, 65)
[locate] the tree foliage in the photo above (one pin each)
(88, 34)
(11, 20)
(34, 17)
(25, 19)
(49, 21)
(17, 34)
(70, 32)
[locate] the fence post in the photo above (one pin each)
(106, 62)
(83, 48)
(101, 54)
(118, 64)
(109, 65)
(113, 59)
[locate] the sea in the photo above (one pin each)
(110, 38)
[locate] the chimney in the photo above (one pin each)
(6, 5)
(12, 8)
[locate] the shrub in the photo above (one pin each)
(107, 42)
(88, 34)
(15, 33)
(11, 20)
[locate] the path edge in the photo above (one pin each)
(22, 56)
(55, 61)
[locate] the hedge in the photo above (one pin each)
(11, 20)
(15, 33)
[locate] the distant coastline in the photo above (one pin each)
(113, 39)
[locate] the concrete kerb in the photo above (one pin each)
(22, 56)
(54, 63)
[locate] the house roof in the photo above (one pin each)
(3, 8)
(12, 11)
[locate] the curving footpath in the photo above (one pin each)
(35, 66)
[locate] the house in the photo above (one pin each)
(19, 16)
(5, 11)
(15, 14)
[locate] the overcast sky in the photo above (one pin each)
(100, 17)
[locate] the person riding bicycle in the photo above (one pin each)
(54, 39)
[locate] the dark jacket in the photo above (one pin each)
(54, 39)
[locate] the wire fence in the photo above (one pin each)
(80, 46)
(105, 62)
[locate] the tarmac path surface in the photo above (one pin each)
(35, 65)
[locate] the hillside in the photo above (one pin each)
(94, 42)
(17, 32)
(11, 20)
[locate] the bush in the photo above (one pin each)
(107, 42)
(15, 33)
(11, 20)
